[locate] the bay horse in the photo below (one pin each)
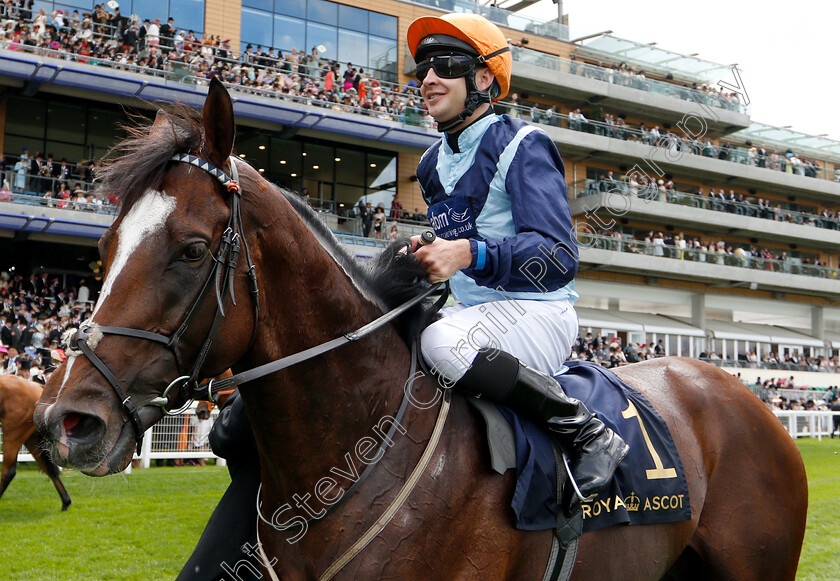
(18, 397)
(186, 204)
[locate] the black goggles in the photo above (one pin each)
(447, 66)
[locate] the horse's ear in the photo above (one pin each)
(219, 126)
(161, 123)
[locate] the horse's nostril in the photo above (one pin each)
(71, 421)
(80, 426)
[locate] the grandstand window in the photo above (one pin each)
(103, 130)
(150, 9)
(286, 159)
(321, 35)
(353, 18)
(67, 128)
(68, 7)
(322, 11)
(383, 25)
(382, 54)
(354, 46)
(381, 173)
(258, 153)
(289, 33)
(261, 4)
(25, 117)
(291, 7)
(188, 14)
(66, 123)
(349, 196)
(319, 163)
(367, 39)
(348, 170)
(256, 28)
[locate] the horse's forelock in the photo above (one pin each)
(139, 162)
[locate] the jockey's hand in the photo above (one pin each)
(442, 258)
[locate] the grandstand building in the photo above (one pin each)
(700, 227)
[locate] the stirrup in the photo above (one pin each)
(574, 483)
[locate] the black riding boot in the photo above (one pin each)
(593, 449)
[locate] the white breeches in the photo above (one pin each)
(538, 333)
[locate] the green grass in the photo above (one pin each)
(144, 526)
(141, 526)
(820, 559)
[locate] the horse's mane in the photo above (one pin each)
(393, 276)
(139, 162)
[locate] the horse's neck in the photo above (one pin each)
(308, 417)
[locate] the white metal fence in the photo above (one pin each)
(807, 424)
(174, 437)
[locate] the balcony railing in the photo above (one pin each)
(415, 116)
(630, 245)
(626, 78)
(723, 151)
(747, 208)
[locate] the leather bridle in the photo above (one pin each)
(220, 278)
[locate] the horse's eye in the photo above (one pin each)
(194, 251)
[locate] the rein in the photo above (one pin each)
(208, 390)
(233, 241)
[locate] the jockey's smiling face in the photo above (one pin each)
(445, 97)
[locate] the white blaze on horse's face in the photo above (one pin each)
(146, 218)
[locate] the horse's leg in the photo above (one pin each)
(33, 444)
(11, 447)
(753, 521)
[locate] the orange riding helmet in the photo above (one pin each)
(481, 34)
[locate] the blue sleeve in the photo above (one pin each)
(543, 247)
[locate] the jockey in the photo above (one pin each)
(496, 192)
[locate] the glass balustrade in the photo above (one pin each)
(506, 18)
(625, 77)
(707, 202)
(184, 73)
(740, 258)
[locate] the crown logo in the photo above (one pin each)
(632, 502)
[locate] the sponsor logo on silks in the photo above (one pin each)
(459, 217)
(453, 219)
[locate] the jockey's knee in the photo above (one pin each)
(450, 349)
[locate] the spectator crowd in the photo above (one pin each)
(61, 184)
(36, 311)
(157, 47)
(717, 199)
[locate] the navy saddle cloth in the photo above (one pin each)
(649, 486)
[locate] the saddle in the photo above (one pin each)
(648, 487)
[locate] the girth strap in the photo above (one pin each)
(402, 495)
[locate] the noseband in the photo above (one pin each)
(220, 278)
